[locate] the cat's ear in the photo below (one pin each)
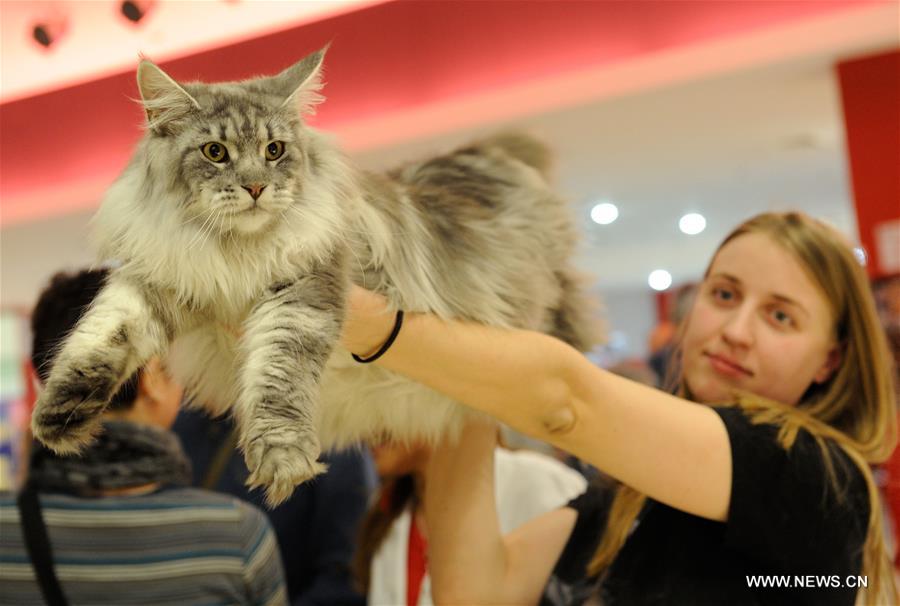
(164, 99)
(300, 83)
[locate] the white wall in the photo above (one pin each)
(630, 317)
(32, 252)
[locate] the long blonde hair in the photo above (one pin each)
(855, 409)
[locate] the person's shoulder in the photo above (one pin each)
(531, 462)
(811, 464)
(202, 498)
(739, 423)
(529, 483)
(535, 472)
(237, 519)
(806, 449)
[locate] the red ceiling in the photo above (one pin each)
(59, 150)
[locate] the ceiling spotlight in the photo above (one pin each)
(604, 213)
(48, 31)
(692, 224)
(659, 279)
(135, 10)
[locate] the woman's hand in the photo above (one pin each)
(367, 323)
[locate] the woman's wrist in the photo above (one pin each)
(368, 322)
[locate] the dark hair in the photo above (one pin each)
(390, 501)
(61, 304)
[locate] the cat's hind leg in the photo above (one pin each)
(113, 339)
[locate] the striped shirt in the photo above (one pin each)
(174, 546)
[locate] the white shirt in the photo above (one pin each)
(527, 484)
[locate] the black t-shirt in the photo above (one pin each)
(786, 525)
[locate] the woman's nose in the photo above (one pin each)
(738, 330)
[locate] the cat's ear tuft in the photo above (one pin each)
(164, 99)
(300, 83)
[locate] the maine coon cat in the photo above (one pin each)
(237, 229)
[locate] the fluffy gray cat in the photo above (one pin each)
(238, 230)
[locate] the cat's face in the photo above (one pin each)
(241, 161)
(235, 149)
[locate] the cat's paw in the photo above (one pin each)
(280, 459)
(66, 416)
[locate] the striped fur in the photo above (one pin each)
(254, 299)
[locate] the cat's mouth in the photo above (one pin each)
(251, 210)
(250, 219)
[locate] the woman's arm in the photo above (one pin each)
(675, 451)
(470, 562)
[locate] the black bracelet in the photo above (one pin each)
(398, 322)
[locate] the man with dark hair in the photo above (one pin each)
(116, 523)
(58, 309)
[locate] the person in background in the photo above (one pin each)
(316, 527)
(117, 523)
(391, 560)
(664, 337)
(757, 472)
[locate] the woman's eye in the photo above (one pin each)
(274, 150)
(782, 318)
(722, 294)
(215, 151)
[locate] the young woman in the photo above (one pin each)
(758, 474)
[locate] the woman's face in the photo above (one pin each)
(759, 324)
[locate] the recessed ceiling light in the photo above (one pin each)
(692, 223)
(604, 213)
(135, 10)
(659, 279)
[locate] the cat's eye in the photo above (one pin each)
(274, 150)
(215, 151)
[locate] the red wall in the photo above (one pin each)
(870, 89)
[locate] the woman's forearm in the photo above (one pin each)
(673, 450)
(470, 561)
(516, 376)
(467, 557)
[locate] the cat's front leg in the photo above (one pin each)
(288, 338)
(113, 339)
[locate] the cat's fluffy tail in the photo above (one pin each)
(576, 318)
(526, 149)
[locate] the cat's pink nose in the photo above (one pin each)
(254, 189)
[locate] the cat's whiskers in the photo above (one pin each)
(206, 229)
(282, 216)
(193, 217)
(217, 216)
(195, 238)
(231, 231)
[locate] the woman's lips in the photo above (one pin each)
(727, 367)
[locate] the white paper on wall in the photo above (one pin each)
(887, 243)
